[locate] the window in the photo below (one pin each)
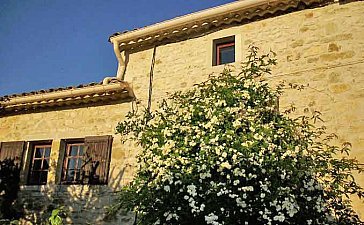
(87, 161)
(73, 163)
(39, 164)
(224, 51)
(81, 161)
(12, 151)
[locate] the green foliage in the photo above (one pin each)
(221, 153)
(9, 187)
(14, 222)
(56, 216)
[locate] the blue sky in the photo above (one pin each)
(55, 43)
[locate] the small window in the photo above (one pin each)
(73, 164)
(39, 166)
(224, 51)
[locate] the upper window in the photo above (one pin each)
(87, 161)
(224, 51)
(39, 166)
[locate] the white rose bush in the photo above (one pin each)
(222, 154)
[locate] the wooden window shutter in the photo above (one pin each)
(97, 159)
(12, 151)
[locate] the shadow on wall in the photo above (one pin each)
(83, 204)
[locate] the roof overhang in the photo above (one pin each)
(69, 97)
(203, 20)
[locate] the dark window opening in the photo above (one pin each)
(224, 51)
(39, 166)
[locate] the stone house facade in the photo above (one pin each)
(317, 42)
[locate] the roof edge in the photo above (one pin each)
(67, 97)
(239, 10)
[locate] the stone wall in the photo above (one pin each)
(84, 203)
(322, 47)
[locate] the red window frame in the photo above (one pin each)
(78, 166)
(221, 46)
(32, 172)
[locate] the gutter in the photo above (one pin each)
(121, 65)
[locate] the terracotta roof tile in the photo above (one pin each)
(195, 23)
(65, 96)
(42, 91)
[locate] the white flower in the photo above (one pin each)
(225, 165)
(236, 123)
(211, 219)
(279, 218)
(169, 217)
(202, 207)
(191, 189)
(258, 137)
(167, 188)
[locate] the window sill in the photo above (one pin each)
(227, 65)
(47, 187)
(43, 187)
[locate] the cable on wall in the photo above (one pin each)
(151, 80)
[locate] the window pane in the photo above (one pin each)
(70, 175)
(81, 151)
(34, 178)
(45, 164)
(78, 175)
(47, 152)
(227, 55)
(43, 177)
(71, 163)
(37, 164)
(79, 163)
(38, 152)
(74, 150)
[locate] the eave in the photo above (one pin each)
(201, 21)
(69, 97)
